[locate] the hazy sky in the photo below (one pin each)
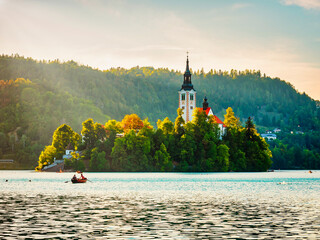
(279, 37)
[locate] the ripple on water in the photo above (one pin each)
(160, 205)
(136, 216)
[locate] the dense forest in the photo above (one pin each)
(133, 145)
(38, 96)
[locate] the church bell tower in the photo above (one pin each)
(187, 95)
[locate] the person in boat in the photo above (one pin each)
(82, 177)
(74, 177)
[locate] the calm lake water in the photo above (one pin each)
(160, 205)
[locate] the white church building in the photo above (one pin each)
(187, 101)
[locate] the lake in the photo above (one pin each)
(160, 205)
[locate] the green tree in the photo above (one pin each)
(162, 159)
(113, 125)
(256, 149)
(98, 161)
(222, 163)
(62, 137)
(88, 133)
(131, 153)
(166, 126)
(99, 132)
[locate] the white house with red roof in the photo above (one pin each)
(209, 112)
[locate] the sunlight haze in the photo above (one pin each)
(279, 37)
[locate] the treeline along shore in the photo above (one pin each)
(135, 145)
(38, 96)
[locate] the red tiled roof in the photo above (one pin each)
(218, 120)
(207, 110)
(215, 117)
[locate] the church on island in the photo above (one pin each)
(188, 98)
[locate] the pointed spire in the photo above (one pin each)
(187, 84)
(187, 67)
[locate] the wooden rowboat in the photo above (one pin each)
(78, 180)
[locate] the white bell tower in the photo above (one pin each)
(187, 95)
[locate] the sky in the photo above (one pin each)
(281, 38)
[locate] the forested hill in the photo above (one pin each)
(57, 93)
(153, 93)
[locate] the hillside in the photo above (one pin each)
(42, 95)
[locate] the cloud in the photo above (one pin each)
(307, 4)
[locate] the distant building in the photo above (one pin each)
(269, 136)
(277, 130)
(268, 131)
(69, 150)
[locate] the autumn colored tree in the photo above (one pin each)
(179, 122)
(230, 120)
(131, 122)
(113, 125)
(46, 157)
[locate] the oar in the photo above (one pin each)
(66, 181)
(89, 180)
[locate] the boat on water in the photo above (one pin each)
(81, 179)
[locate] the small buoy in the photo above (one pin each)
(310, 171)
(29, 180)
(6, 180)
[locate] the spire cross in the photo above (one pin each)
(187, 53)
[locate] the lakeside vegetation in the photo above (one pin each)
(38, 96)
(194, 146)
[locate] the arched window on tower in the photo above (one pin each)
(183, 96)
(191, 97)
